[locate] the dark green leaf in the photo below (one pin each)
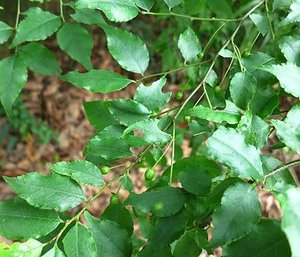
(47, 192)
(127, 111)
(162, 202)
(268, 238)
(261, 22)
(111, 239)
(116, 10)
(127, 183)
(152, 96)
(237, 215)
(242, 89)
(82, 171)
(145, 4)
(79, 242)
(54, 252)
(294, 15)
(88, 16)
(228, 146)
(13, 74)
(82, 50)
(97, 81)
(127, 49)
(172, 3)
(187, 246)
(19, 220)
(39, 59)
(38, 25)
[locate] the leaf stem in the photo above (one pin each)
(192, 18)
(269, 20)
(61, 5)
(281, 168)
(18, 13)
(173, 152)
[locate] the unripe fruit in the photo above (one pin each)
(218, 89)
(114, 200)
(149, 174)
(187, 119)
(179, 96)
(104, 170)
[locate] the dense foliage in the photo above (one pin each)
(227, 109)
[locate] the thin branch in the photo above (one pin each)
(18, 13)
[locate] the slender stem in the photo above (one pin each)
(207, 96)
(216, 57)
(199, 99)
(171, 71)
(226, 72)
(192, 18)
(173, 152)
(18, 13)
(282, 168)
(164, 153)
(61, 5)
(269, 20)
(166, 111)
(212, 37)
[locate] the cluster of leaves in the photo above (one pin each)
(227, 130)
(25, 124)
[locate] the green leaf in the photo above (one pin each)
(152, 96)
(79, 242)
(189, 45)
(5, 32)
(39, 59)
(150, 251)
(47, 192)
(127, 183)
(38, 25)
(111, 239)
(290, 47)
(288, 75)
(187, 246)
(172, 3)
(54, 252)
(119, 214)
(82, 171)
(82, 50)
(109, 145)
(242, 89)
(268, 238)
(145, 4)
(230, 114)
(127, 111)
(99, 115)
(294, 15)
(114, 10)
(237, 215)
(162, 202)
(260, 22)
(228, 146)
(151, 132)
(97, 81)
(89, 17)
(127, 49)
(289, 130)
(19, 220)
(255, 129)
(13, 74)
(30, 248)
(290, 203)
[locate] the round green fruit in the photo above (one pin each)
(149, 174)
(104, 170)
(187, 119)
(179, 95)
(218, 89)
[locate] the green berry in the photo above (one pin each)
(179, 95)
(246, 53)
(218, 89)
(114, 200)
(187, 119)
(149, 174)
(104, 170)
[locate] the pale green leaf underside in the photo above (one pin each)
(54, 191)
(97, 81)
(5, 32)
(30, 248)
(114, 10)
(172, 3)
(189, 44)
(288, 75)
(290, 47)
(228, 146)
(82, 171)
